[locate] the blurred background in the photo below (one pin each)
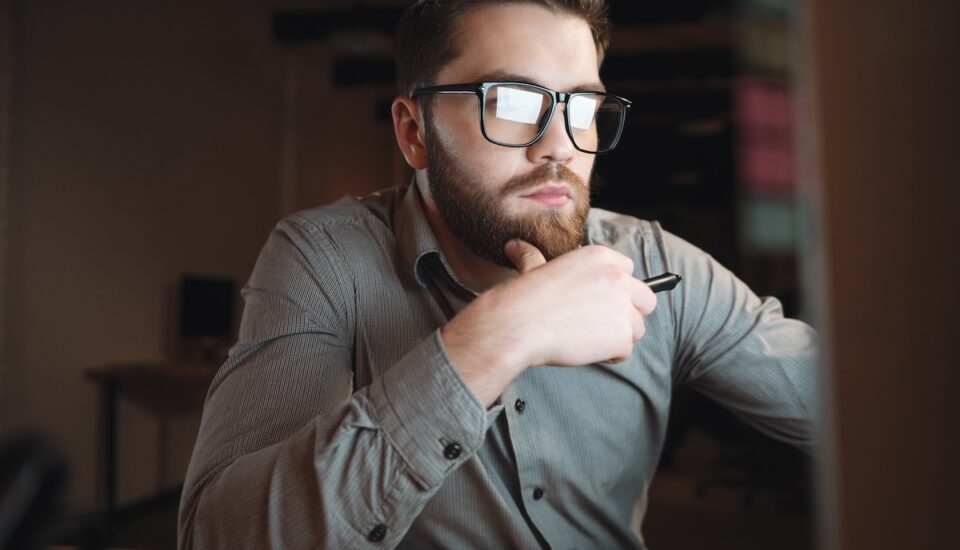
(147, 148)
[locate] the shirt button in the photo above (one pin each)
(377, 533)
(452, 451)
(537, 493)
(520, 405)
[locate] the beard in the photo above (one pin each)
(474, 210)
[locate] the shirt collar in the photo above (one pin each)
(415, 239)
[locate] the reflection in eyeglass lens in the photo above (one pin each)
(515, 114)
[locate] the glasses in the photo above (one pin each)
(517, 114)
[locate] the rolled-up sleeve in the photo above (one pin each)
(289, 453)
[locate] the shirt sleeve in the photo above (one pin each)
(740, 350)
(289, 453)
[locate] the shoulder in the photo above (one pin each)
(640, 239)
(349, 224)
(337, 238)
(605, 226)
(623, 232)
(374, 212)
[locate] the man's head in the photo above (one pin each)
(427, 34)
(487, 193)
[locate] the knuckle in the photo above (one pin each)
(612, 274)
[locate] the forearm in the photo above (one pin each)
(306, 492)
(309, 492)
(376, 459)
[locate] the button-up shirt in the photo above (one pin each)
(338, 421)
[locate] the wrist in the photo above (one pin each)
(484, 350)
(497, 333)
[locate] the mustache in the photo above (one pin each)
(545, 174)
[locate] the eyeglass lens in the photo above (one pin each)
(514, 114)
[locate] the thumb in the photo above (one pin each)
(523, 255)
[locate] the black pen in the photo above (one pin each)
(663, 282)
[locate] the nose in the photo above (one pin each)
(555, 145)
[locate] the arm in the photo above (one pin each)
(289, 454)
(739, 349)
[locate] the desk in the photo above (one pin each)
(161, 389)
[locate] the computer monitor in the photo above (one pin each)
(206, 315)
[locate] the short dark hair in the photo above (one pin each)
(426, 42)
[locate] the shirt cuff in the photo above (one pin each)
(428, 413)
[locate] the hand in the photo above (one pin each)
(586, 305)
(582, 307)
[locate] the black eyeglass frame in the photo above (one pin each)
(480, 89)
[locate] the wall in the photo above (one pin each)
(144, 145)
(6, 77)
(343, 143)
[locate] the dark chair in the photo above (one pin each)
(33, 477)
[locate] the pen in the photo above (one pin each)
(663, 282)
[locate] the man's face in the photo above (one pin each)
(487, 193)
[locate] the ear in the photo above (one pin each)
(408, 126)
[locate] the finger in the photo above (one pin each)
(609, 256)
(524, 255)
(639, 326)
(642, 297)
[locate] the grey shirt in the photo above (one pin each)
(339, 422)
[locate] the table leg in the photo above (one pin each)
(110, 446)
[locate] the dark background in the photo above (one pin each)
(140, 141)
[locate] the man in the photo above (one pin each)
(473, 361)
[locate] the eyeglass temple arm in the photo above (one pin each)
(449, 89)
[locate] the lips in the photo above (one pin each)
(550, 194)
(550, 189)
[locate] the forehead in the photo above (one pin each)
(552, 48)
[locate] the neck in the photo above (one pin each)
(478, 273)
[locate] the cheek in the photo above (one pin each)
(457, 123)
(493, 165)
(485, 162)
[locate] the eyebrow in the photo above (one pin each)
(513, 77)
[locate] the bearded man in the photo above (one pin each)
(474, 360)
